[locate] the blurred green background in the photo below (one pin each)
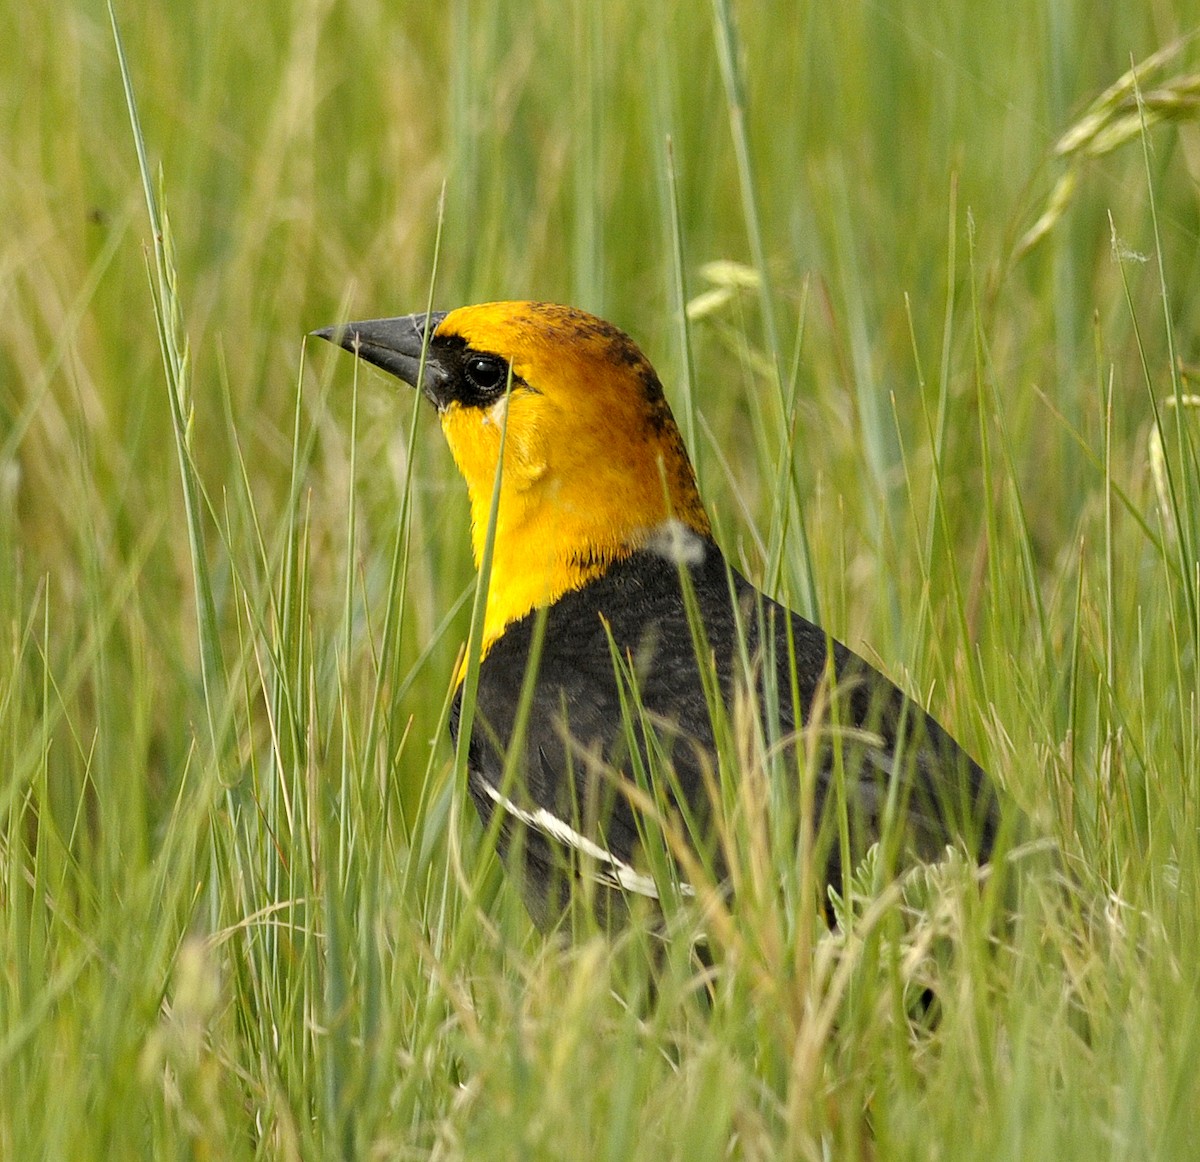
(963, 417)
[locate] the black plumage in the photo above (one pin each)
(575, 749)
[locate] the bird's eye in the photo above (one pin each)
(487, 373)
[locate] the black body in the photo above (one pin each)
(576, 739)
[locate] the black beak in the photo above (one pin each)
(395, 346)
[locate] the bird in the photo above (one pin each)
(605, 577)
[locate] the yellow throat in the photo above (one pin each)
(593, 460)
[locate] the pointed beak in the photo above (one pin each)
(395, 346)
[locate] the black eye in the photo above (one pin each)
(487, 373)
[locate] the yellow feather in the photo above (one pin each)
(593, 460)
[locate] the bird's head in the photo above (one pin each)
(594, 464)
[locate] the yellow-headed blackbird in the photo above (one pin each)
(599, 521)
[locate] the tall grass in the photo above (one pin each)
(935, 393)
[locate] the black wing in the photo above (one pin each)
(564, 797)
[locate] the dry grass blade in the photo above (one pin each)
(1114, 118)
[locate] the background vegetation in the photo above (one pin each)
(243, 911)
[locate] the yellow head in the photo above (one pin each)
(593, 460)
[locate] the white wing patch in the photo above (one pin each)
(612, 871)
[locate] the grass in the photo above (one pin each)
(946, 397)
